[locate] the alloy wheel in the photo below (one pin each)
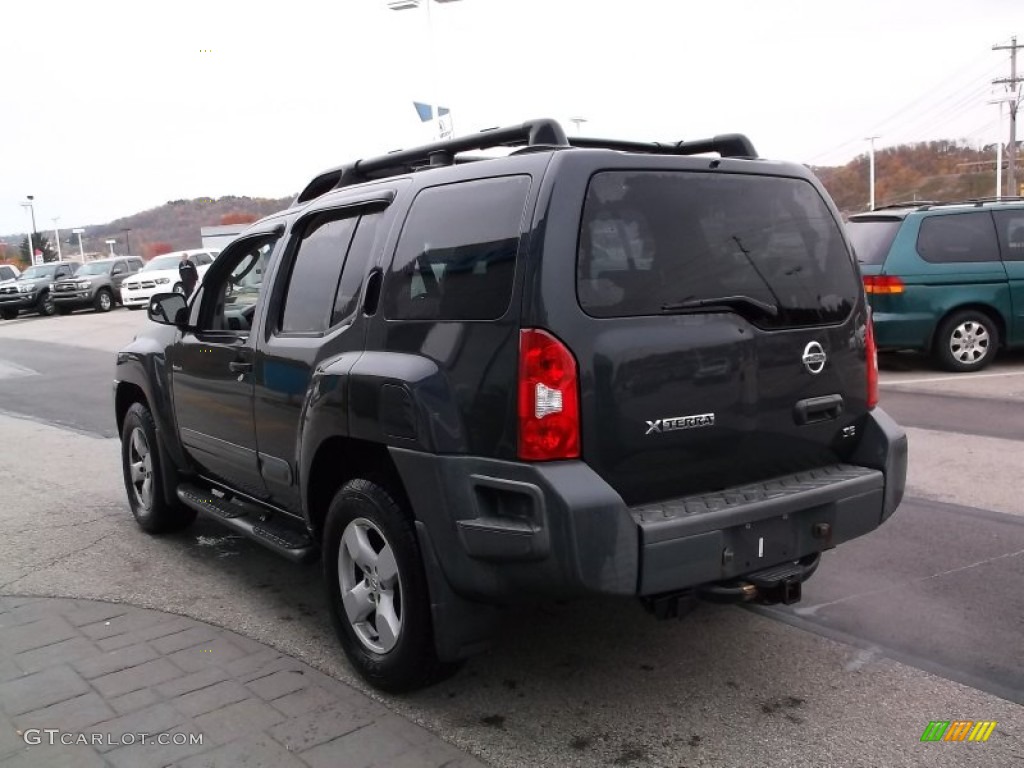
(969, 342)
(140, 467)
(371, 586)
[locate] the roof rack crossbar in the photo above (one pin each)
(530, 133)
(726, 145)
(533, 133)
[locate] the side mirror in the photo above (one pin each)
(168, 309)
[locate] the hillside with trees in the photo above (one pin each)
(173, 226)
(933, 170)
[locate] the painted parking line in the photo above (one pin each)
(950, 377)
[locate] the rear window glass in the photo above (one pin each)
(456, 257)
(872, 238)
(654, 242)
(958, 238)
(1010, 225)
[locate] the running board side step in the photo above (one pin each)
(252, 521)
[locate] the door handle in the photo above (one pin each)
(240, 366)
(816, 409)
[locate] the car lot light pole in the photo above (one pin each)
(110, 243)
(56, 236)
(407, 5)
(31, 235)
(81, 251)
(1000, 100)
(871, 163)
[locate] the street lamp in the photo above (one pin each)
(31, 235)
(81, 251)
(408, 5)
(1008, 98)
(110, 242)
(56, 236)
(127, 248)
(871, 180)
(577, 121)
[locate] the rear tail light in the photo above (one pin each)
(872, 354)
(549, 411)
(882, 284)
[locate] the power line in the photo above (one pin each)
(970, 68)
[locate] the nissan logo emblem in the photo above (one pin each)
(814, 357)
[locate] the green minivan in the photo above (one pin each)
(945, 278)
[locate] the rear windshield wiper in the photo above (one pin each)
(727, 302)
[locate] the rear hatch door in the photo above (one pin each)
(724, 333)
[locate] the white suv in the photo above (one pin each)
(160, 275)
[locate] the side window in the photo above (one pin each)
(1010, 226)
(118, 269)
(352, 274)
(315, 271)
(456, 256)
(229, 302)
(960, 237)
(204, 259)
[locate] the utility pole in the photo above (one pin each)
(871, 165)
(1011, 83)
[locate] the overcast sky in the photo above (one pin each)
(116, 107)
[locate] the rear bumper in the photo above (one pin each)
(502, 531)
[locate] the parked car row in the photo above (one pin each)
(946, 279)
(62, 287)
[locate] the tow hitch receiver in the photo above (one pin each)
(779, 584)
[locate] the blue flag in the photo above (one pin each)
(423, 110)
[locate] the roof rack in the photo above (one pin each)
(976, 201)
(726, 145)
(538, 134)
(924, 205)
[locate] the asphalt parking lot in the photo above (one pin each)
(918, 621)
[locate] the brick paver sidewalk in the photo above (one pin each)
(105, 673)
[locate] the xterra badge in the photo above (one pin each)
(680, 422)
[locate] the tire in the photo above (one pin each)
(9, 314)
(46, 306)
(104, 301)
(366, 517)
(140, 462)
(966, 341)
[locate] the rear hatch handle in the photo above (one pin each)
(817, 409)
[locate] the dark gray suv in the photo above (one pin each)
(95, 284)
(590, 367)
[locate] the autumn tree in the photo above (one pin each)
(152, 250)
(11, 255)
(41, 243)
(238, 218)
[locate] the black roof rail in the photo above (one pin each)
(726, 145)
(440, 153)
(537, 134)
(976, 201)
